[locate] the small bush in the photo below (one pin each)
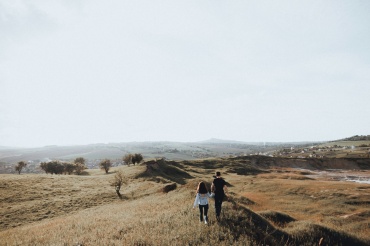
(169, 188)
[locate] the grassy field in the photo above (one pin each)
(347, 143)
(265, 207)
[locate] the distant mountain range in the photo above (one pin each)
(216, 140)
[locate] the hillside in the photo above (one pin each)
(170, 150)
(267, 204)
(357, 138)
(93, 153)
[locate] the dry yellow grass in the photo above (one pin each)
(146, 216)
(337, 204)
(85, 210)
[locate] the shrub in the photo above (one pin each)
(169, 187)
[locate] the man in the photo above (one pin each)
(219, 188)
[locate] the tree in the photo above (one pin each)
(127, 159)
(58, 167)
(68, 168)
(79, 165)
(53, 167)
(132, 158)
(20, 166)
(119, 180)
(44, 166)
(80, 160)
(137, 158)
(105, 165)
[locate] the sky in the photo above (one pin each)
(87, 71)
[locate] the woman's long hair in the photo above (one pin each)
(202, 188)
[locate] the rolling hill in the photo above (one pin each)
(266, 205)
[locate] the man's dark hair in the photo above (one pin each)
(218, 174)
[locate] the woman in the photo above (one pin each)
(201, 199)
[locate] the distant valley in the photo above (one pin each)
(212, 148)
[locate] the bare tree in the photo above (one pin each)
(20, 166)
(119, 180)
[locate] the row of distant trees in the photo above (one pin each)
(128, 159)
(78, 165)
(59, 167)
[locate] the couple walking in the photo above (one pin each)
(218, 189)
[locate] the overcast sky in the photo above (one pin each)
(89, 71)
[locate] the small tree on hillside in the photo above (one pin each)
(137, 158)
(127, 159)
(119, 180)
(105, 165)
(80, 160)
(20, 166)
(79, 165)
